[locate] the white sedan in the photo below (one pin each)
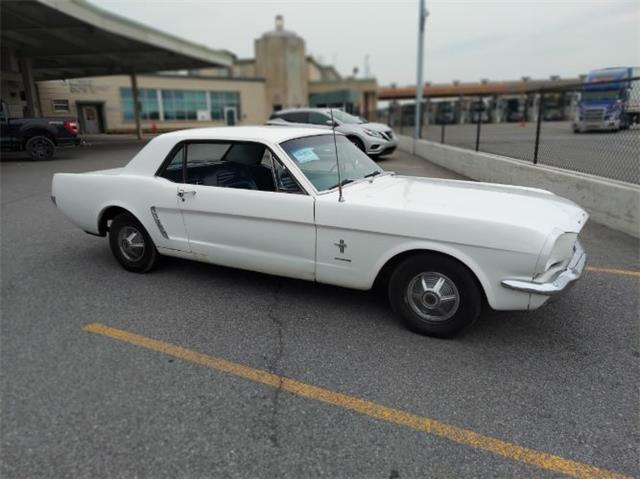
(267, 199)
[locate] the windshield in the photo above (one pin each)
(344, 117)
(316, 157)
(601, 95)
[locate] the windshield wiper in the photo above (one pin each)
(342, 183)
(373, 174)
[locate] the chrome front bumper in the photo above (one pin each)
(563, 280)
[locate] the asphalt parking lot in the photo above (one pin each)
(612, 155)
(550, 393)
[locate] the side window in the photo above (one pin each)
(243, 165)
(281, 177)
(317, 118)
(204, 161)
(173, 170)
(296, 117)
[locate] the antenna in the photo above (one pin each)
(335, 145)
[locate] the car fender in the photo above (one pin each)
(477, 259)
(104, 206)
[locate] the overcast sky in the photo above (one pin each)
(465, 39)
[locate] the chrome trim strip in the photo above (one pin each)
(154, 214)
(562, 281)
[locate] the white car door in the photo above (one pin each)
(162, 214)
(240, 212)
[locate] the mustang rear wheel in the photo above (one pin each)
(131, 244)
(434, 295)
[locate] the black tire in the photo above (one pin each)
(625, 121)
(357, 142)
(40, 148)
(457, 281)
(126, 228)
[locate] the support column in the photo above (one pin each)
(136, 104)
(30, 88)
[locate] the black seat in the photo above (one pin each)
(263, 178)
(229, 175)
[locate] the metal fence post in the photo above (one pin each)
(442, 133)
(479, 123)
(538, 123)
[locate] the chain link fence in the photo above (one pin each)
(589, 128)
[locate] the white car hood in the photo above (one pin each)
(378, 127)
(496, 216)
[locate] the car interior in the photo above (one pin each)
(246, 165)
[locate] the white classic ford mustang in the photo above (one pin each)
(267, 199)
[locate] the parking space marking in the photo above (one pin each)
(615, 271)
(459, 435)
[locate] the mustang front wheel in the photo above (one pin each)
(131, 245)
(434, 295)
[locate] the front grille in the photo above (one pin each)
(387, 135)
(594, 114)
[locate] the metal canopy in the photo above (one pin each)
(471, 89)
(72, 38)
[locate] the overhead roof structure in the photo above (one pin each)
(470, 89)
(73, 38)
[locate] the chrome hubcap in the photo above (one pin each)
(433, 296)
(131, 243)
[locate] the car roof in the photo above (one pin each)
(267, 133)
(149, 159)
(293, 110)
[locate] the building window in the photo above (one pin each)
(178, 104)
(220, 100)
(183, 104)
(149, 108)
(60, 105)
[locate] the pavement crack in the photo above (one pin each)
(274, 363)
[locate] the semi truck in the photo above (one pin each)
(513, 108)
(609, 100)
(553, 107)
(445, 112)
(480, 110)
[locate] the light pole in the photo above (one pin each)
(423, 14)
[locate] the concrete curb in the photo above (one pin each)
(609, 202)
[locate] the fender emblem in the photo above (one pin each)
(341, 245)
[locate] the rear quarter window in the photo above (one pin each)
(296, 117)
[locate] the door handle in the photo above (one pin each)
(183, 193)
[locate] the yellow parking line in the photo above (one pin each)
(509, 450)
(616, 271)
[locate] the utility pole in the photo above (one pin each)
(423, 14)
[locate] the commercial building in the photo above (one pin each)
(241, 91)
(53, 39)
(166, 102)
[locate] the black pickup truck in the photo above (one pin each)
(39, 137)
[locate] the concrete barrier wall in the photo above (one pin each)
(609, 202)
